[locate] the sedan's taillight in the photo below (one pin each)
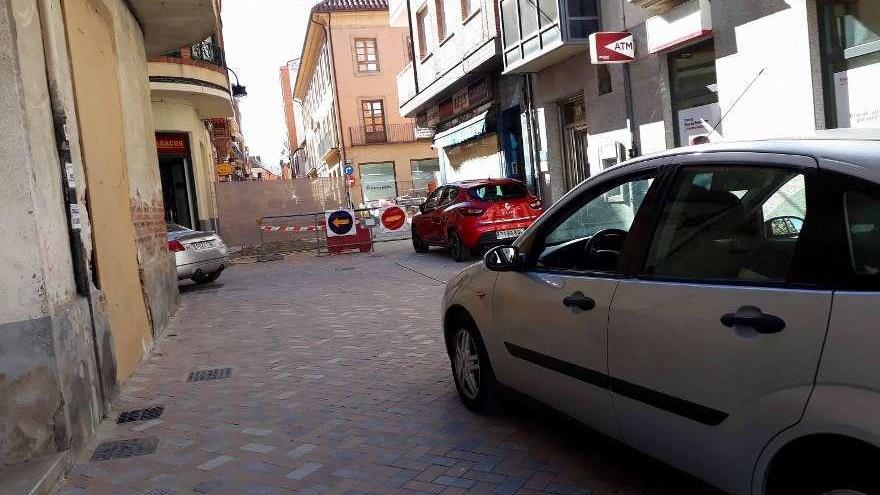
(175, 246)
(537, 204)
(471, 212)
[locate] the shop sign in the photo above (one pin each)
(424, 132)
(224, 168)
(695, 124)
(856, 97)
(612, 48)
(171, 143)
(460, 101)
(433, 116)
(219, 128)
(689, 21)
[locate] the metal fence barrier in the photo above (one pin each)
(308, 232)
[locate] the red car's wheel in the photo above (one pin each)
(457, 248)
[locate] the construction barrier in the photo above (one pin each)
(336, 231)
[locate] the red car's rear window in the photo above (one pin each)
(497, 192)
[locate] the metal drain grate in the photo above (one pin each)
(121, 449)
(160, 491)
(140, 414)
(206, 375)
(345, 269)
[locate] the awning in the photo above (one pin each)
(463, 132)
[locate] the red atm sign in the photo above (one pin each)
(612, 48)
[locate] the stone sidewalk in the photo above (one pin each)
(338, 384)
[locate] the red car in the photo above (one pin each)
(474, 215)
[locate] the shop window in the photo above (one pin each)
(373, 114)
(850, 34)
(366, 55)
(425, 175)
(694, 93)
(377, 180)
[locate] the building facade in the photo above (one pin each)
(454, 87)
(88, 283)
(703, 71)
(192, 109)
(346, 84)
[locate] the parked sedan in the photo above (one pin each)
(473, 215)
(682, 303)
(200, 256)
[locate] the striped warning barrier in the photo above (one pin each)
(270, 228)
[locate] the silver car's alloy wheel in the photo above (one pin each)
(466, 359)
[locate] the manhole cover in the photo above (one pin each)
(140, 414)
(120, 449)
(206, 375)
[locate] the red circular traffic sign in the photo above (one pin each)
(393, 218)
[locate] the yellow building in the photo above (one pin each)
(346, 85)
(88, 283)
(189, 88)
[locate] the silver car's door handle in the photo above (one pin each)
(580, 301)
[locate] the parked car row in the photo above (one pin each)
(715, 307)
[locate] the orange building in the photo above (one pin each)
(347, 85)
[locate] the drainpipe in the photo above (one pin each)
(532, 131)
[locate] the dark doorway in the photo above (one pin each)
(178, 184)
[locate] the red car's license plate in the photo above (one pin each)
(507, 234)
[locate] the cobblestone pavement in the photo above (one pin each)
(339, 384)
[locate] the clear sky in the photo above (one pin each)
(260, 36)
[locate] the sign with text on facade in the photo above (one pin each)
(171, 143)
(856, 97)
(339, 223)
(612, 48)
(689, 21)
(224, 168)
(695, 124)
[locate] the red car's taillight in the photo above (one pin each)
(472, 212)
(175, 246)
(537, 204)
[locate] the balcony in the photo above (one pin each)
(168, 25)
(196, 73)
(390, 134)
(537, 38)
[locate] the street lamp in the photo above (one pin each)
(238, 91)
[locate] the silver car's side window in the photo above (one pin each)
(730, 223)
(570, 245)
(863, 232)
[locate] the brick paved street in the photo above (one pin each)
(339, 384)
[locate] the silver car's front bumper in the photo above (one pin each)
(201, 267)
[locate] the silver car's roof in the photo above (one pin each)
(852, 151)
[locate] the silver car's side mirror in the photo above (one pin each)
(502, 259)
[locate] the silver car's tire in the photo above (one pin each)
(471, 369)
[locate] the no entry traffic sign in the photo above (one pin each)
(612, 48)
(340, 222)
(393, 218)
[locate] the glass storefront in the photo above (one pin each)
(694, 89)
(425, 176)
(850, 37)
(377, 180)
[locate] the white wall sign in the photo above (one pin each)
(698, 121)
(689, 21)
(857, 98)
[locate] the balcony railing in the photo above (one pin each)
(394, 133)
(204, 51)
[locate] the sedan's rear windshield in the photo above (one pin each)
(497, 192)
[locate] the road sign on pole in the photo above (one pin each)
(612, 48)
(393, 218)
(340, 222)
(348, 169)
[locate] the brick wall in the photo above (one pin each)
(149, 227)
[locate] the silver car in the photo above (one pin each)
(715, 307)
(200, 256)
